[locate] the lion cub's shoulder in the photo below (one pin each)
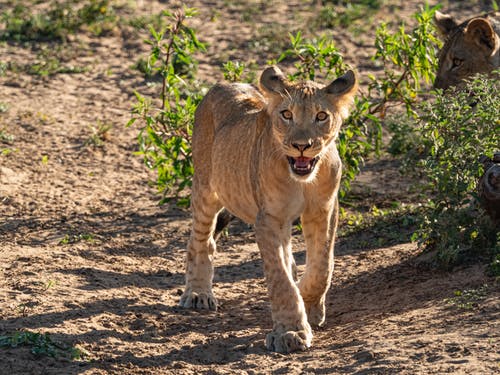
(226, 96)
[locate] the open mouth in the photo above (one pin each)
(302, 165)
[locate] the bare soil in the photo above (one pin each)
(89, 256)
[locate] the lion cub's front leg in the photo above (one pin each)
(291, 331)
(319, 227)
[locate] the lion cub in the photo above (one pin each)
(268, 156)
(470, 47)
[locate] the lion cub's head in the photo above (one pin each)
(470, 47)
(306, 117)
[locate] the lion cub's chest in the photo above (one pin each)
(251, 175)
(237, 195)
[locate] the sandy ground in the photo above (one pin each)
(88, 256)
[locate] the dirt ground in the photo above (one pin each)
(88, 256)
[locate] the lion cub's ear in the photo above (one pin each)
(273, 80)
(342, 84)
(342, 91)
(480, 32)
(445, 23)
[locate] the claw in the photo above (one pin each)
(288, 342)
(198, 301)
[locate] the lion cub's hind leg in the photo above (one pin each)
(201, 248)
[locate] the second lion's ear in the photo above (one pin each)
(445, 23)
(273, 80)
(480, 32)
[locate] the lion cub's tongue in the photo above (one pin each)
(302, 162)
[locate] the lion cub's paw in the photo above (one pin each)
(315, 313)
(199, 301)
(287, 342)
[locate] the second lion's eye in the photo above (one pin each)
(321, 116)
(457, 62)
(286, 114)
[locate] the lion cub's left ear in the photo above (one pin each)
(480, 32)
(342, 92)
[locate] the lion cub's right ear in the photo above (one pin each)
(445, 23)
(273, 80)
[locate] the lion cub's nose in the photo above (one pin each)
(302, 146)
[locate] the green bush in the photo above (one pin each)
(318, 55)
(456, 129)
(166, 122)
(345, 13)
(58, 21)
(42, 344)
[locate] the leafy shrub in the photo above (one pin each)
(408, 58)
(468, 299)
(345, 13)
(313, 56)
(50, 60)
(42, 345)
(456, 128)
(58, 21)
(236, 71)
(165, 133)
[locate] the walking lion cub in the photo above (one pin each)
(268, 156)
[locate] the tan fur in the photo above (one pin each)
(470, 47)
(240, 146)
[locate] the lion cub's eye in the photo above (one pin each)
(321, 116)
(457, 62)
(286, 114)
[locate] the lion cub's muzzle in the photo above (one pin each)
(302, 165)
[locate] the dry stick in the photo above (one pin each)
(382, 104)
